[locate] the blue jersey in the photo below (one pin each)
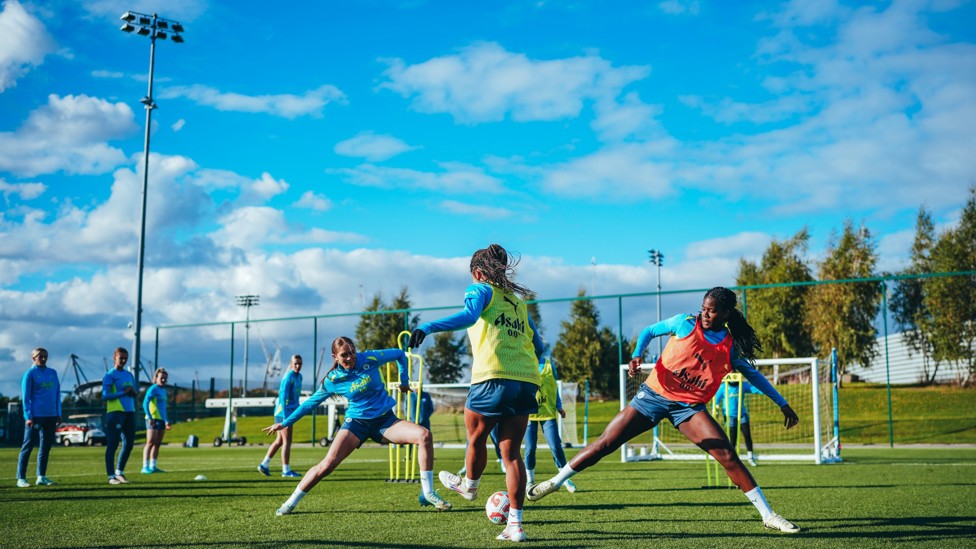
(40, 392)
(155, 403)
(476, 297)
(362, 386)
(114, 385)
(682, 325)
(729, 401)
(288, 393)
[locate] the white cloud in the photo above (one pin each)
(619, 171)
(485, 83)
(181, 10)
(178, 125)
(312, 201)
(483, 212)
(68, 133)
(24, 43)
(748, 245)
(372, 147)
(107, 74)
(680, 7)
(455, 178)
(251, 227)
(26, 191)
(289, 106)
(266, 187)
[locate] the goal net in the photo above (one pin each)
(804, 382)
(447, 421)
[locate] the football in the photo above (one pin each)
(497, 507)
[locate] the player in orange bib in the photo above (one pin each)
(701, 350)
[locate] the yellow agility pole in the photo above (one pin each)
(402, 470)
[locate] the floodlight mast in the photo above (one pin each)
(145, 25)
(657, 258)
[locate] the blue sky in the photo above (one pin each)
(323, 153)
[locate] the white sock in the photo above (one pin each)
(119, 473)
(514, 517)
(152, 464)
(471, 484)
(563, 475)
(286, 468)
(427, 482)
(759, 500)
(145, 463)
(296, 496)
(266, 461)
(530, 473)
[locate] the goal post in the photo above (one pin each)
(806, 383)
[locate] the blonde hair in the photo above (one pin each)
(160, 371)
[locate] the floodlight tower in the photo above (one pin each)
(154, 27)
(657, 258)
(246, 301)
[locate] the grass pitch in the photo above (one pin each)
(921, 496)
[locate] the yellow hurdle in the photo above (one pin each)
(713, 470)
(404, 470)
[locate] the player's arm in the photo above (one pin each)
(559, 398)
(311, 403)
(26, 388)
(667, 326)
(760, 382)
(107, 393)
(537, 344)
(150, 394)
(476, 297)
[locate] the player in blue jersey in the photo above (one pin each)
(119, 394)
(504, 375)
(157, 422)
(370, 415)
(728, 403)
(287, 402)
(41, 397)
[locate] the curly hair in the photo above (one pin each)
(743, 335)
(498, 268)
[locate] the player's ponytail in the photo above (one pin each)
(743, 335)
(498, 268)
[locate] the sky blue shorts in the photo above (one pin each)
(745, 417)
(370, 428)
(503, 397)
(655, 407)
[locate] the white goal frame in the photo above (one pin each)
(816, 451)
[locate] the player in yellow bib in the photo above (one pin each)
(504, 375)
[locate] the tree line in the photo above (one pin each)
(937, 314)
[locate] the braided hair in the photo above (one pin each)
(743, 335)
(338, 342)
(498, 269)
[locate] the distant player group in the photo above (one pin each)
(511, 385)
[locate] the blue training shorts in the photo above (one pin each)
(503, 397)
(370, 428)
(655, 407)
(155, 424)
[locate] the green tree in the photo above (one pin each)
(907, 302)
(444, 361)
(379, 329)
(842, 316)
(953, 299)
(578, 348)
(774, 312)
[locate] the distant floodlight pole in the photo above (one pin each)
(657, 258)
(154, 27)
(247, 301)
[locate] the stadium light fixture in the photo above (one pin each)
(246, 301)
(148, 25)
(657, 258)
